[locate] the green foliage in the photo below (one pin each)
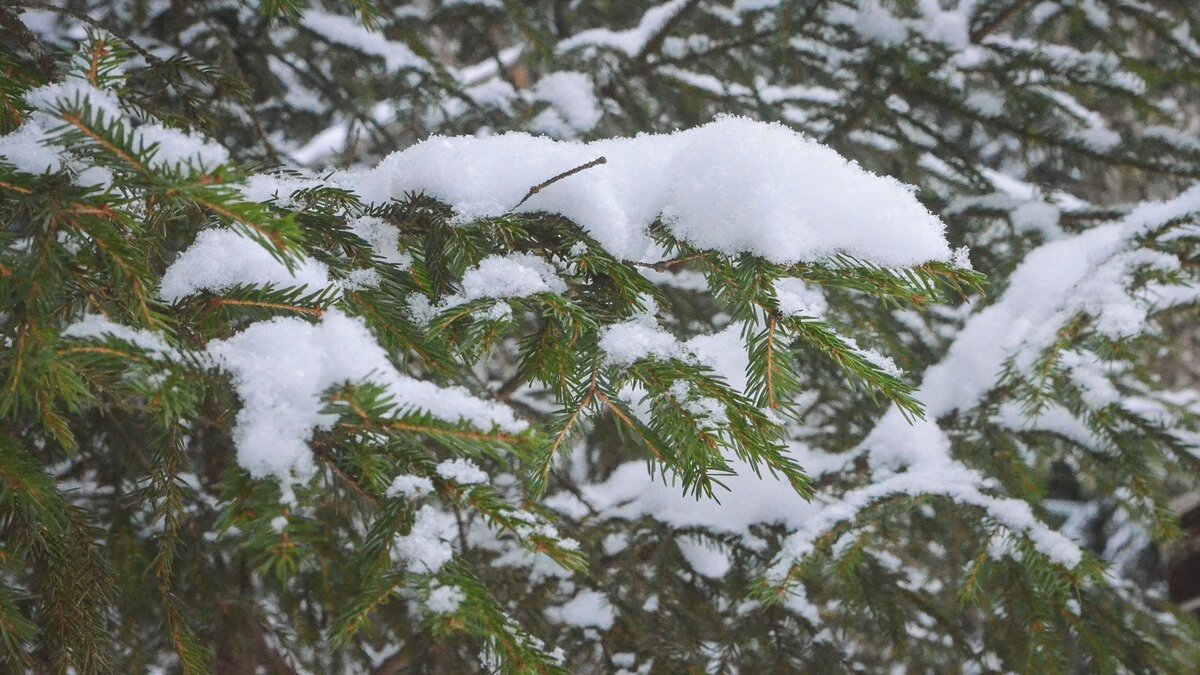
(133, 539)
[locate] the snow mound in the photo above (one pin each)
(733, 185)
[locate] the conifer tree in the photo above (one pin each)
(698, 336)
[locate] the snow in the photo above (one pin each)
(797, 298)
(873, 22)
(573, 109)
(445, 599)
(1024, 315)
(222, 258)
(810, 205)
(1037, 216)
(881, 362)
(1176, 138)
(516, 275)
(986, 103)
(631, 41)
(99, 326)
(349, 32)
(733, 185)
(74, 94)
(462, 471)
(1052, 418)
(384, 239)
(706, 559)
(639, 338)
(280, 369)
(630, 492)
(588, 609)
(1083, 273)
(175, 148)
(409, 486)
(27, 151)
(427, 546)
(1086, 272)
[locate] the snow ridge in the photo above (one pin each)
(733, 185)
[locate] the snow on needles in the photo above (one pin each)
(516, 275)
(349, 32)
(280, 369)
(1086, 273)
(222, 258)
(733, 185)
(1083, 274)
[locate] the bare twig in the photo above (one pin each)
(664, 265)
(566, 174)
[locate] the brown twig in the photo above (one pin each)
(664, 265)
(566, 174)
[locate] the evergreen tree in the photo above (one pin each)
(290, 386)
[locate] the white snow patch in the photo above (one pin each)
(445, 599)
(175, 148)
(588, 609)
(222, 258)
(573, 109)
(27, 150)
(426, 548)
(516, 275)
(462, 471)
(280, 369)
(409, 486)
(350, 32)
(631, 41)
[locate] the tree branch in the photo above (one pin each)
(566, 174)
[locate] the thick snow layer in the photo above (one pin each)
(280, 369)
(221, 258)
(733, 185)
